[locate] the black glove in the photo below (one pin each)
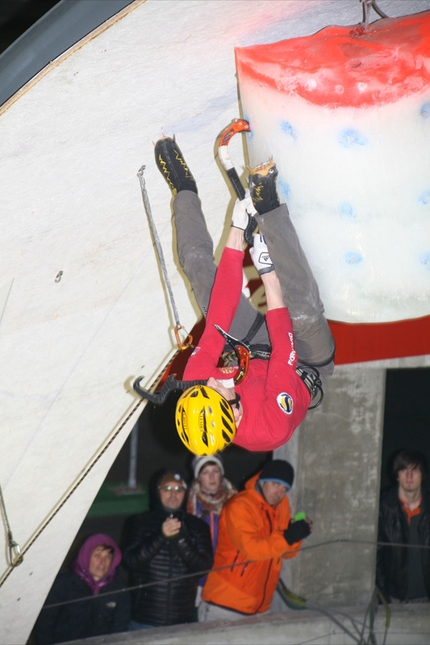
(297, 531)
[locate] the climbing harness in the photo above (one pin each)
(308, 373)
(14, 551)
(187, 342)
(256, 350)
(311, 378)
(241, 352)
(238, 125)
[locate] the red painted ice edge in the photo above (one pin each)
(357, 343)
(346, 66)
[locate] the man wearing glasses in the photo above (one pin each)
(165, 543)
(272, 400)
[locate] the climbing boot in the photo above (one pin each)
(262, 186)
(172, 165)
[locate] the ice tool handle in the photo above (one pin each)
(159, 397)
(238, 125)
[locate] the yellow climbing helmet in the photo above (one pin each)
(204, 420)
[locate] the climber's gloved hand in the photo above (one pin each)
(242, 212)
(260, 255)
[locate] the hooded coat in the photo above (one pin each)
(250, 537)
(97, 614)
(151, 559)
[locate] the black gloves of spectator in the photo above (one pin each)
(297, 531)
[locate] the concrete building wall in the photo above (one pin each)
(337, 454)
(407, 625)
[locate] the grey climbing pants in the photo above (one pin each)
(313, 339)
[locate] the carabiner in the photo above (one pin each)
(15, 559)
(242, 353)
(187, 342)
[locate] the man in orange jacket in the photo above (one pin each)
(256, 532)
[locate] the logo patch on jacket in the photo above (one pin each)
(196, 350)
(285, 402)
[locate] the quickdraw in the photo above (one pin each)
(238, 125)
(188, 340)
(186, 343)
(14, 551)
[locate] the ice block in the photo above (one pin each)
(345, 113)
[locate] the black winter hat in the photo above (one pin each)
(278, 470)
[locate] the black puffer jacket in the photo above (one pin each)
(391, 567)
(152, 558)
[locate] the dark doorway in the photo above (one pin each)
(406, 416)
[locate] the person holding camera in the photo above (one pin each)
(161, 548)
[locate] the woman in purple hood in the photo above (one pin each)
(93, 577)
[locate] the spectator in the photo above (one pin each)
(255, 533)
(93, 577)
(209, 492)
(403, 572)
(164, 543)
